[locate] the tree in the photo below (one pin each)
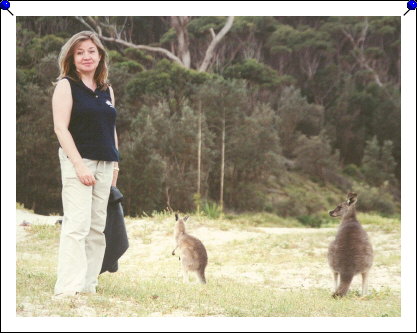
(254, 157)
(222, 101)
(315, 158)
(166, 82)
(378, 164)
(296, 116)
(239, 134)
(110, 30)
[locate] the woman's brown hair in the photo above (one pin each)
(66, 59)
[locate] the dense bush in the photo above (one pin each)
(372, 199)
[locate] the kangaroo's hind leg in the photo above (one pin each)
(201, 277)
(185, 276)
(185, 270)
(365, 276)
(345, 281)
(335, 276)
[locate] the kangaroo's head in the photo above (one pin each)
(179, 227)
(346, 207)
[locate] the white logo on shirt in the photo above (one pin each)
(109, 104)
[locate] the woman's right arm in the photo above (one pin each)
(61, 109)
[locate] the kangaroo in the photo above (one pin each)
(193, 254)
(351, 252)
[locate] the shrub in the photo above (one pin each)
(310, 220)
(372, 199)
(287, 207)
(130, 66)
(353, 171)
(211, 210)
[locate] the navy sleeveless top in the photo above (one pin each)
(92, 123)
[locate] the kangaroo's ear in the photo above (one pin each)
(352, 198)
(176, 217)
(186, 218)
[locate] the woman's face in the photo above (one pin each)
(86, 57)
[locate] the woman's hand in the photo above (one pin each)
(84, 174)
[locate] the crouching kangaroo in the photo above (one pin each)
(351, 252)
(193, 254)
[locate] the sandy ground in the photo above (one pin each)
(23, 216)
(287, 275)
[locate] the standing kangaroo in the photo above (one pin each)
(193, 254)
(351, 252)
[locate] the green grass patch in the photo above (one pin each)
(245, 275)
(377, 222)
(388, 260)
(118, 296)
(44, 232)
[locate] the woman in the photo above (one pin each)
(84, 122)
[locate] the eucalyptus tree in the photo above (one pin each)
(117, 30)
(223, 102)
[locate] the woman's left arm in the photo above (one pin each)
(115, 164)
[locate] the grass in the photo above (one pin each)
(19, 205)
(253, 273)
(262, 220)
(43, 232)
(376, 222)
(146, 297)
(144, 233)
(269, 248)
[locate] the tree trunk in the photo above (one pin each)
(216, 40)
(222, 163)
(179, 23)
(168, 199)
(129, 200)
(199, 158)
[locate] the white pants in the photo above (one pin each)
(82, 242)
